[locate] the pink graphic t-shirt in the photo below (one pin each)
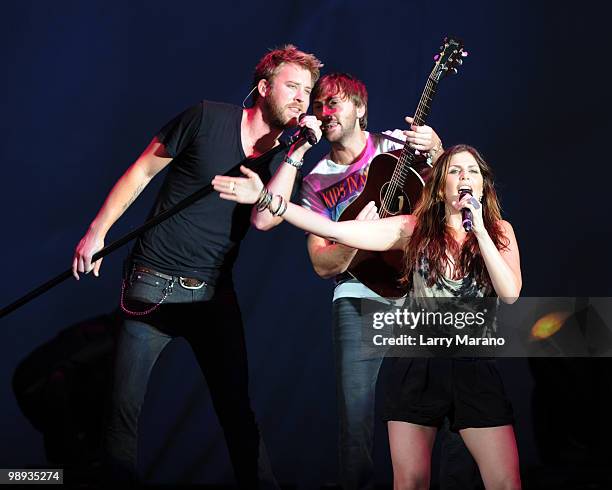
(330, 188)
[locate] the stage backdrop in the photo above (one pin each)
(86, 85)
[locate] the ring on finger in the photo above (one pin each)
(232, 187)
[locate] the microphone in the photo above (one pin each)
(466, 213)
(306, 132)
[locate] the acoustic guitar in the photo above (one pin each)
(395, 183)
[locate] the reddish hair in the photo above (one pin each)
(348, 87)
(431, 238)
(269, 65)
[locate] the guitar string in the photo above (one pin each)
(401, 171)
(401, 177)
(422, 107)
(398, 178)
(421, 113)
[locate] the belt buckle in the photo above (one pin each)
(190, 283)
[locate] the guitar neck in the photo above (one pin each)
(424, 104)
(446, 62)
(407, 156)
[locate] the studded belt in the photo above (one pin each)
(186, 282)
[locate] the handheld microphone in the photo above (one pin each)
(466, 213)
(306, 132)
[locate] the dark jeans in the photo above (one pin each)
(212, 325)
(356, 378)
(355, 390)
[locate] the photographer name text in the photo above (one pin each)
(424, 340)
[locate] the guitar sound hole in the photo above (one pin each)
(394, 201)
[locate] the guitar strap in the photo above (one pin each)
(391, 138)
(402, 142)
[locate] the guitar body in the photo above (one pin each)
(380, 271)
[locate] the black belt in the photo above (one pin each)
(186, 282)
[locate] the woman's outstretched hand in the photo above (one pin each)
(244, 190)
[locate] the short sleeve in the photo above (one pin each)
(181, 131)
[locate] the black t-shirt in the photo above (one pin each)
(203, 239)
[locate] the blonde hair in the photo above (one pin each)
(270, 64)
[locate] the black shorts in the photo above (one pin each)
(423, 391)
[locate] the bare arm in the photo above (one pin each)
(381, 234)
(329, 259)
(282, 181)
(503, 266)
(123, 194)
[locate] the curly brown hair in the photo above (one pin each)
(432, 240)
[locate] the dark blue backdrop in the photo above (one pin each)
(85, 86)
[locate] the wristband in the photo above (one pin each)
(292, 162)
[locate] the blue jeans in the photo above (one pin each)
(211, 323)
(356, 378)
(355, 390)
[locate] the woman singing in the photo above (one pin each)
(442, 260)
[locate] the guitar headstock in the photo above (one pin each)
(449, 59)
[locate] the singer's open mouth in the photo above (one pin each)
(329, 125)
(465, 188)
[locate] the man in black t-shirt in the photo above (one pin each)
(179, 279)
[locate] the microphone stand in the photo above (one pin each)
(155, 220)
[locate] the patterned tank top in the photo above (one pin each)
(463, 296)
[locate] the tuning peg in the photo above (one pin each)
(460, 62)
(464, 54)
(436, 57)
(454, 70)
